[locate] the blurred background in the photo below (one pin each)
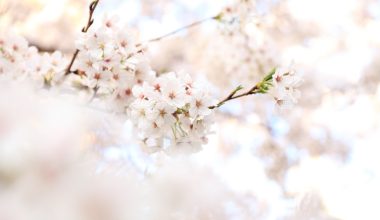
(318, 160)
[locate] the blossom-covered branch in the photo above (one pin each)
(170, 111)
(84, 30)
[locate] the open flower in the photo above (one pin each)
(285, 87)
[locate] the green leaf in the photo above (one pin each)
(235, 91)
(269, 75)
(218, 17)
(240, 87)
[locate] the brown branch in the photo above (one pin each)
(261, 87)
(231, 96)
(84, 30)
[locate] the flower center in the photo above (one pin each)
(198, 103)
(172, 95)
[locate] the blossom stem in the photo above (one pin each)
(261, 87)
(231, 96)
(84, 30)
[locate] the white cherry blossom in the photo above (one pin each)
(285, 87)
(109, 61)
(19, 61)
(175, 118)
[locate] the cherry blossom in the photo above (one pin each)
(171, 114)
(19, 61)
(110, 62)
(285, 87)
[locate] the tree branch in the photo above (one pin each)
(194, 24)
(84, 30)
(253, 90)
(261, 87)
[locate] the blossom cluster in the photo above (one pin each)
(20, 61)
(171, 113)
(110, 62)
(285, 87)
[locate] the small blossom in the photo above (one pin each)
(199, 104)
(285, 87)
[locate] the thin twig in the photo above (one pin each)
(231, 96)
(84, 30)
(194, 24)
(261, 87)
